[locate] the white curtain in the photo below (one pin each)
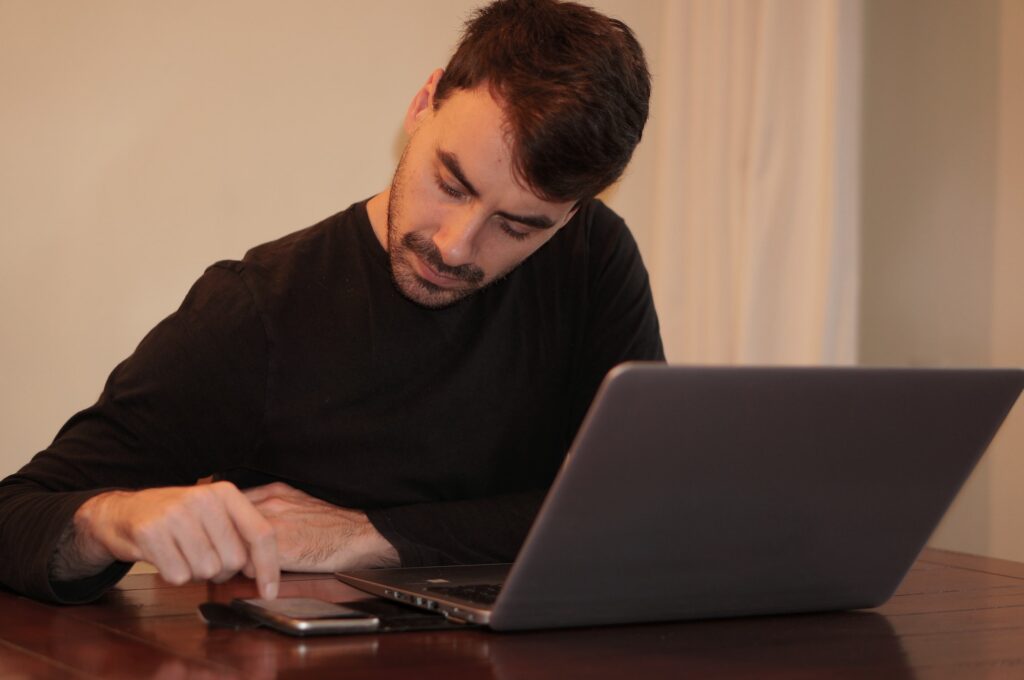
(756, 114)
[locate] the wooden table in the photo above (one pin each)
(955, 615)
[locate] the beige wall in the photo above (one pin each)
(943, 229)
(143, 140)
(1006, 488)
(997, 525)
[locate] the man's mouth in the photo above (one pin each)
(430, 275)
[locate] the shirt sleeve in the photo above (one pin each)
(187, 402)
(477, 531)
(620, 325)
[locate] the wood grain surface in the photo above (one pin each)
(954, 616)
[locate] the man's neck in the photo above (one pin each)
(377, 209)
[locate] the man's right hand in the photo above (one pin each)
(192, 533)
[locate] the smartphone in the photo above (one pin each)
(307, 616)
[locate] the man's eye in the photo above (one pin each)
(449, 189)
(508, 229)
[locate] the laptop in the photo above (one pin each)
(705, 492)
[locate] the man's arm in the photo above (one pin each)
(316, 536)
(204, 532)
(475, 531)
(74, 559)
(211, 532)
(188, 402)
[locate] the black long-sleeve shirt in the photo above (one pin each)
(303, 363)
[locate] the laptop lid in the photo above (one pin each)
(708, 492)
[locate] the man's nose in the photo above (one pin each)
(456, 238)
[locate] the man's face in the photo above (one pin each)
(457, 218)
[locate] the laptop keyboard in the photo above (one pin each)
(483, 593)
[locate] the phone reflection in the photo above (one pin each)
(264, 654)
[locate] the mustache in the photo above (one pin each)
(428, 252)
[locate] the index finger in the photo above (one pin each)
(259, 535)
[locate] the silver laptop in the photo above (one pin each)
(714, 492)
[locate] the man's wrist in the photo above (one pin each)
(362, 546)
(78, 554)
(379, 551)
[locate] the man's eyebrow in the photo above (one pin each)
(535, 221)
(449, 161)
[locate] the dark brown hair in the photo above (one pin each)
(573, 84)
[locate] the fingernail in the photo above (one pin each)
(271, 591)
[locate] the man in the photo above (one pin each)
(395, 385)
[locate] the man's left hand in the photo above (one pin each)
(316, 536)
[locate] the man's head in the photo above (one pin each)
(573, 84)
(539, 109)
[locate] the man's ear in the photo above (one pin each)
(572, 213)
(422, 103)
